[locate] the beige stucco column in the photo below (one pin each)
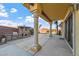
(76, 30)
(63, 30)
(74, 18)
(50, 31)
(36, 46)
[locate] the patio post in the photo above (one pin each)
(36, 46)
(74, 29)
(50, 31)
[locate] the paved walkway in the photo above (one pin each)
(55, 47)
(50, 47)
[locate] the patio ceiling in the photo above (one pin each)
(50, 11)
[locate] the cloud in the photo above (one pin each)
(3, 12)
(13, 10)
(29, 19)
(1, 6)
(9, 23)
(20, 17)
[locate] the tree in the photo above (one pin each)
(56, 22)
(39, 26)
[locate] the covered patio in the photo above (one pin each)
(50, 12)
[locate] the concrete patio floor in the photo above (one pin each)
(55, 47)
(50, 47)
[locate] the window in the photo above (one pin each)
(69, 30)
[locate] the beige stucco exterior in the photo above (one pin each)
(77, 32)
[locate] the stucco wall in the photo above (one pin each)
(77, 32)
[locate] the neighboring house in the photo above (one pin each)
(44, 30)
(25, 31)
(54, 31)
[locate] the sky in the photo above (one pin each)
(15, 14)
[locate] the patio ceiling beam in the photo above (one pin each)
(46, 16)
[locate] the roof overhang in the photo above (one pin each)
(51, 11)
